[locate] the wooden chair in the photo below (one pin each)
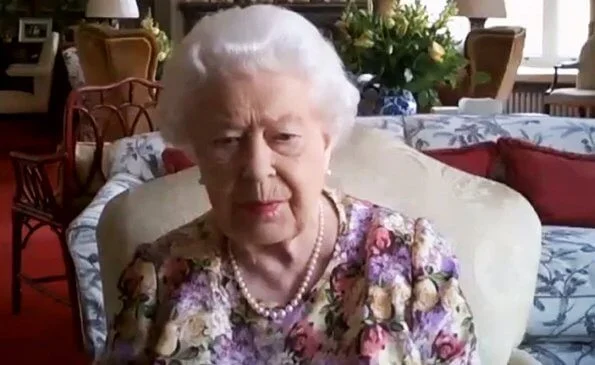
(42, 201)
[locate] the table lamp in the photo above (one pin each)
(112, 10)
(478, 11)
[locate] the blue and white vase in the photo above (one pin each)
(396, 102)
(379, 100)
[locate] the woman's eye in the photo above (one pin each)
(226, 141)
(285, 137)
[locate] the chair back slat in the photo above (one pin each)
(97, 115)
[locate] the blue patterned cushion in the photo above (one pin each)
(139, 155)
(564, 303)
(554, 353)
(435, 131)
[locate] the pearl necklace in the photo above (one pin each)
(280, 313)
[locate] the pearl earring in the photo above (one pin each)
(329, 172)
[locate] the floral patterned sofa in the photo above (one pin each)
(562, 326)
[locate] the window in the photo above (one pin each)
(556, 29)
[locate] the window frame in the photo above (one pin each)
(549, 43)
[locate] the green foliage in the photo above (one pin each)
(165, 46)
(403, 48)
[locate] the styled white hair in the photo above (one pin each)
(254, 38)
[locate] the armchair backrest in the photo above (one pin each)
(495, 232)
(108, 55)
(497, 51)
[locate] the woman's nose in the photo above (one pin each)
(259, 161)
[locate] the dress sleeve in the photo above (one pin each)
(441, 321)
(130, 331)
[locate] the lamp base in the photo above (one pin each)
(477, 23)
(114, 23)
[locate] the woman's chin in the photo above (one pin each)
(264, 230)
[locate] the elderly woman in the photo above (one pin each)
(281, 270)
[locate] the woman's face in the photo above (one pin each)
(263, 153)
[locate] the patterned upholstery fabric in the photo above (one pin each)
(562, 325)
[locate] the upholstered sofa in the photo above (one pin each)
(559, 323)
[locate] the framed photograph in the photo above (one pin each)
(32, 30)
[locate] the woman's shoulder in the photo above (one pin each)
(194, 240)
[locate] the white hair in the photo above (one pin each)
(254, 38)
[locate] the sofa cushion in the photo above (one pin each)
(564, 303)
(479, 159)
(433, 131)
(175, 160)
(561, 133)
(138, 155)
(556, 183)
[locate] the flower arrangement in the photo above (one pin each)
(165, 47)
(401, 47)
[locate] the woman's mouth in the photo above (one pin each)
(262, 208)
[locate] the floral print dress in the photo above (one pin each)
(391, 297)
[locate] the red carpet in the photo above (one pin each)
(42, 333)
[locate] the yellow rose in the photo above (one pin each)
(193, 331)
(380, 302)
(425, 295)
(390, 23)
(436, 52)
(364, 41)
(341, 26)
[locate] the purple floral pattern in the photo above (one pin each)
(391, 297)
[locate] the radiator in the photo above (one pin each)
(531, 101)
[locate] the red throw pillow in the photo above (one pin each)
(477, 159)
(175, 160)
(559, 185)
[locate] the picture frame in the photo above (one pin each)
(34, 30)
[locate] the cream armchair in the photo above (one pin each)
(495, 232)
(21, 102)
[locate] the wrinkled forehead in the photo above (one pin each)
(240, 99)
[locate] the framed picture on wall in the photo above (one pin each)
(33, 30)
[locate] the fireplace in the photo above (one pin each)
(323, 15)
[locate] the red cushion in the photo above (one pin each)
(175, 160)
(559, 185)
(477, 159)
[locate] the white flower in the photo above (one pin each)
(426, 295)
(156, 30)
(161, 56)
(408, 75)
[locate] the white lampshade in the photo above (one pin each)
(481, 8)
(112, 9)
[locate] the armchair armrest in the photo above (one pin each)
(38, 159)
(34, 189)
(568, 65)
(27, 70)
(81, 239)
